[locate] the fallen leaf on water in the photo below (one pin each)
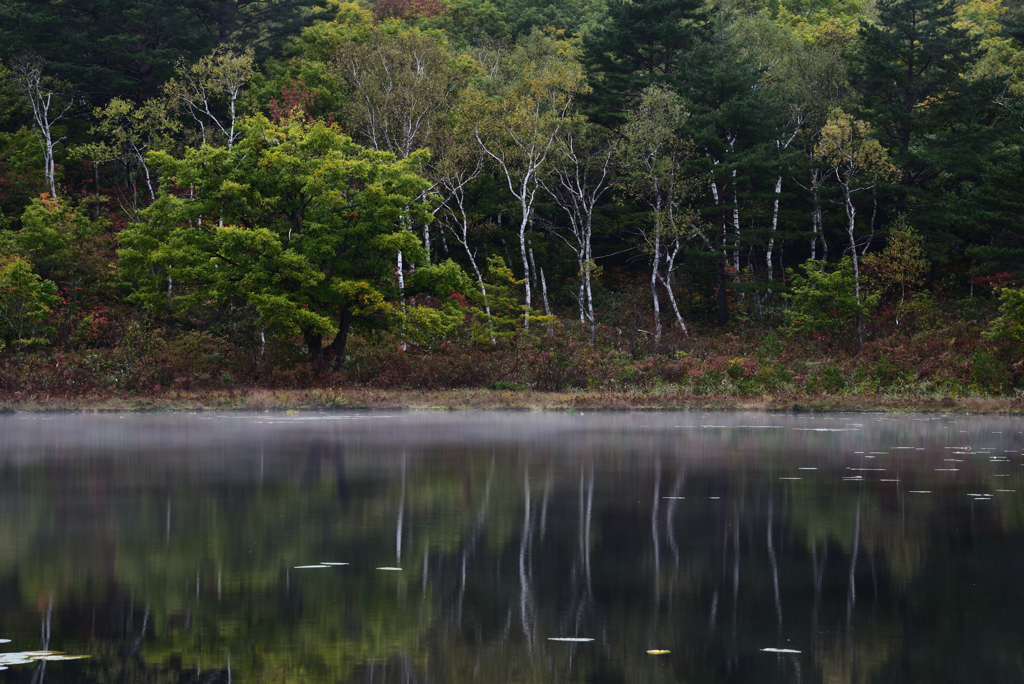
(568, 639)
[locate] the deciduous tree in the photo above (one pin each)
(859, 163)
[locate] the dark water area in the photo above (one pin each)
(461, 547)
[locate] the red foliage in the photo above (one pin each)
(996, 281)
(405, 9)
(295, 102)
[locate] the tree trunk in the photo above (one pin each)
(581, 298)
(314, 343)
(775, 227)
(667, 282)
(851, 214)
(655, 264)
(586, 276)
(401, 286)
(341, 339)
(547, 308)
(816, 217)
(526, 266)
(721, 295)
(736, 229)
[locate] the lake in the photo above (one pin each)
(511, 547)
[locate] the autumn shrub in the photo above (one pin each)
(770, 378)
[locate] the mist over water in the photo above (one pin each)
(511, 547)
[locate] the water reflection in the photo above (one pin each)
(511, 548)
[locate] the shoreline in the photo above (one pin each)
(488, 399)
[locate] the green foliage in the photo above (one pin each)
(25, 301)
(637, 45)
(506, 305)
(471, 22)
(1008, 328)
(823, 300)
(989, 374)
(126, 134)
(912, 61)
(827, 379)
(21, 171)
(736, 124)
(109, 49)
(294, 230)
(438, 313)
(59, 239)
(901, 266)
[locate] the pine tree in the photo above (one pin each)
(642, 43)
(912, 64)
(734, 118)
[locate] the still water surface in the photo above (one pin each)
(511, 547)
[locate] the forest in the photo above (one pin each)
(698, 198)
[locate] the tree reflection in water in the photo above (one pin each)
(165, 548)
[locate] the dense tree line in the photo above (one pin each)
(280, 170)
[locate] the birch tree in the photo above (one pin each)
(209, 91)
(807, 83)
(49, 108)
(457, 162)
(581, 174)
(859, 163)
(127, 134)
(519, 114)
(402, 87)
(652, 157)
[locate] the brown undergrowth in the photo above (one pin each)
(330, 399)
(934, 363)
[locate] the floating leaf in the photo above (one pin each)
(568, 639)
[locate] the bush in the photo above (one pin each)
(829, 379)
(1008, 328)
(823, 301)
(988, 373)
(25, 301)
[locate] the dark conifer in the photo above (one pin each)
(643, 42)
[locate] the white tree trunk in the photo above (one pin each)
(401, 286)
(547, 308)
(775, 227)
(735, 229)
(590, 294)
(851, 215)
(526, 266)
(655, 265)
(666, 280)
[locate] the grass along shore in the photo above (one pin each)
(491, 399)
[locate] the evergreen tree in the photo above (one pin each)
(912, 64)
(642, 42)
(106, 48)
(733, 122)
